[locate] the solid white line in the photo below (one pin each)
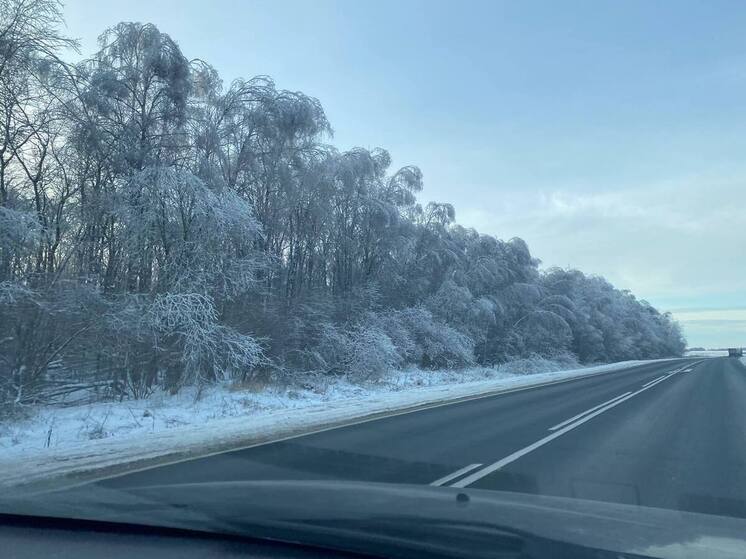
(656, 382)
(581, 414)
(652, 381)
(454, 475)
(541, 442)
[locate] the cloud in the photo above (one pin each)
(676, 243)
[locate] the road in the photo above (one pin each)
(670, 435)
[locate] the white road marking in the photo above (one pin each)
(656, 382)
(690, 367)
(468, 480)
(455, 474)
(652, 381)
(581, 414)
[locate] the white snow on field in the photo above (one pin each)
(58, 441)
(707, 353)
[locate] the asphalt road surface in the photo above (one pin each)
(669, 435)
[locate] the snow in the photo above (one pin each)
(707, 353)
(106, 437)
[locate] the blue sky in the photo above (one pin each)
(609, 135)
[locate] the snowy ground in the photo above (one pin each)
(110, 437)
(707, 353)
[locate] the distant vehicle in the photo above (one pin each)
(735, 352)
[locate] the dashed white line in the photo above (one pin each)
(479, 474)
(581, 414)
(455, 474)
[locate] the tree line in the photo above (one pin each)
(159, 228)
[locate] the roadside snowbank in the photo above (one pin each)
(116, 436)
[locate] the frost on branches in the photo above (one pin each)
(161, 229)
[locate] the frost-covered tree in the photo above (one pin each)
(160, 228)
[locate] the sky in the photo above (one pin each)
(609, 135)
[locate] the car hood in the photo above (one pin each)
(403, 520)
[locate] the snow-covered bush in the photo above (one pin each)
(363, 351)
(418, 337)
(391, 323)
(438, 344)
(45, 330)
(371, 353)
(205, 349)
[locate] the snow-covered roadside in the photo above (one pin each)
(113, 437)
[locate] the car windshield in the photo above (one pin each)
(521, 305)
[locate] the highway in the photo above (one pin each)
(664, 434)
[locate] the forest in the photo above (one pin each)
(162, 228)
